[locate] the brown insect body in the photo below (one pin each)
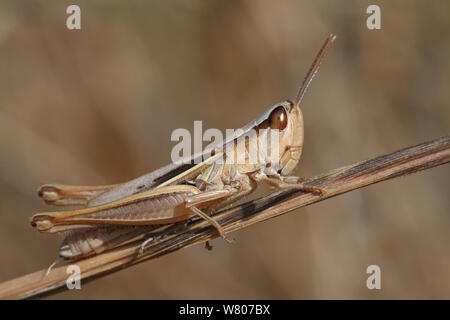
(179, 191)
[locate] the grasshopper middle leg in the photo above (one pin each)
(196, 200)
(281, 184)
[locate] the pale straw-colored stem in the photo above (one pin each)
(399, 163)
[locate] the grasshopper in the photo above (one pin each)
(113, 214)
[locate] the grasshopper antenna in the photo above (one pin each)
(314, 68)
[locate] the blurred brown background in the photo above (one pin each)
(98, 106)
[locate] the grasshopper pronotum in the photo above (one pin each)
(178, 192)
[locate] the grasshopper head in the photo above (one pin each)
(293, 143)
(286, 117)
(286, 120)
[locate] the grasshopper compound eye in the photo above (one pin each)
(278, 118)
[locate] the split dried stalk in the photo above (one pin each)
(399, 163)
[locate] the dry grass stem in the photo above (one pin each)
(399, 163)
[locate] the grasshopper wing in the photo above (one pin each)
(89, 196)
